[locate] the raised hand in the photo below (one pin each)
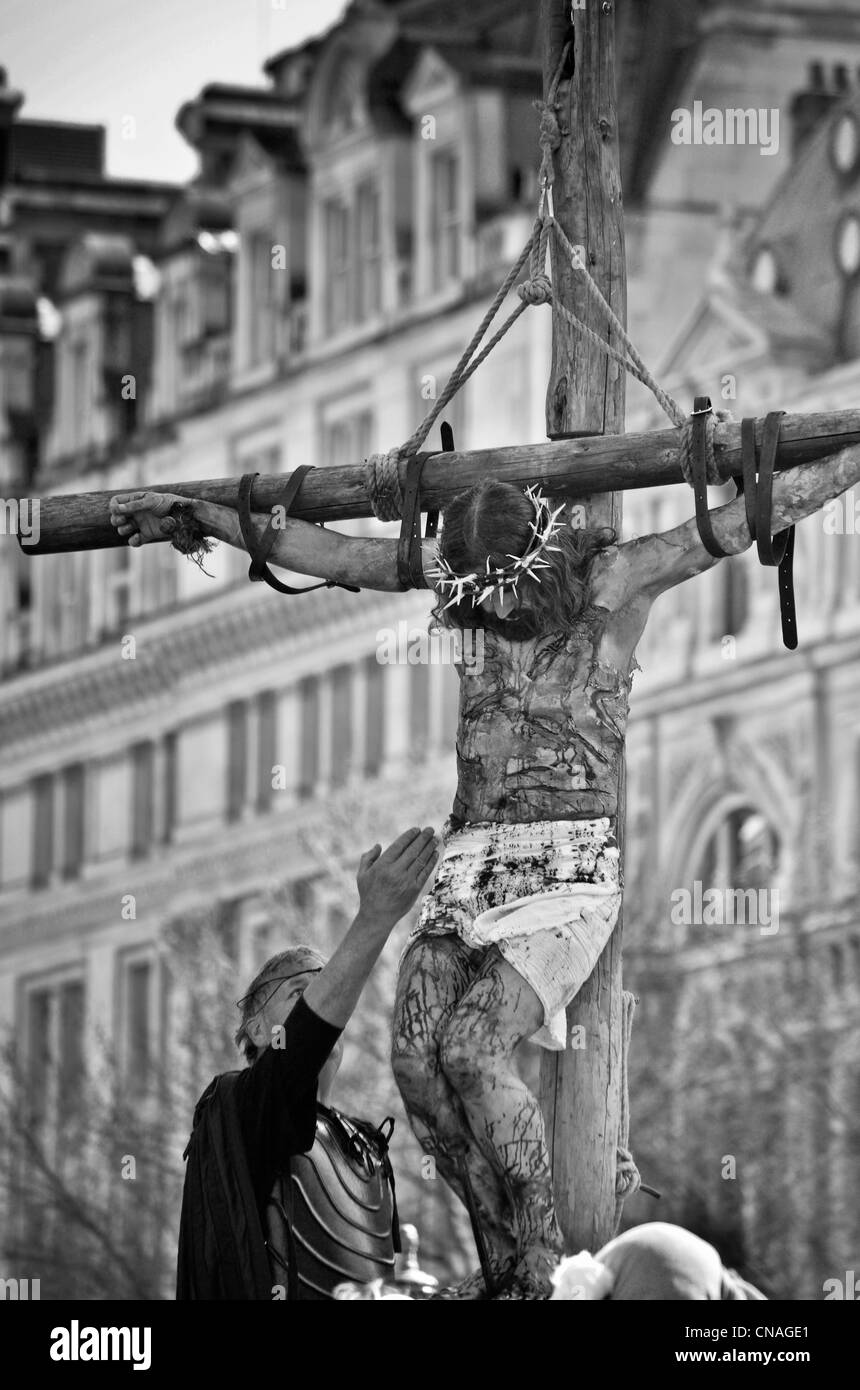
(389, 882)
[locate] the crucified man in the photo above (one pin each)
(529, 886)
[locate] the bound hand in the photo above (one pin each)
(390, 882)
(143, 516)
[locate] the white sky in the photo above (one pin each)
(102, 60)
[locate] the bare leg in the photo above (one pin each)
(435, 975)
(498, 1011)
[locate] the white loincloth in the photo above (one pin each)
(545, 893)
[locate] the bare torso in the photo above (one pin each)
(542, 725)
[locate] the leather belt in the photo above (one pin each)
(756, 485)
(260, 549)
(410, 565)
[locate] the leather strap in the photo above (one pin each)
(758, 499)
(768, 554)
(775, 550)
(410, 566)
(756, 485)
(260, 550)
(410, 571)
(699, 469)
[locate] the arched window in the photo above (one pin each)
(743, 851)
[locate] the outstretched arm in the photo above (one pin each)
(651, 564)
(368, 562)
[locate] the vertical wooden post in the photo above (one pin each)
(580, 1089)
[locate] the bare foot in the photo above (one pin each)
(473, 1286)
(531, 1276)
(144, 516)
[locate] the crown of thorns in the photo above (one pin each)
(479, 586)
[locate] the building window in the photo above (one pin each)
(348, 439)
(81, 400)
(743, 852)
(369, 284)
(137, 1023)
(215, 294)
(267, 733)
(336, 231)
(39, 1053)
(142, 798)
(237, 758)
(71, 1055)
(54, 1040)
(262, 294)
(341, 724)
(170, 788)
(374, 716)
(309, 751)
(43, 830)
(73, 820)
(118, 577)
(444, 218)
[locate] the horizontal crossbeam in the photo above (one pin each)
(577, 467)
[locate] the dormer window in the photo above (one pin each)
(344, 111)
(336, 217)
(445, 218)
(353, 257)
(262, 298)
(369, 251)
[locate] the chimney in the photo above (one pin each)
(808, 108)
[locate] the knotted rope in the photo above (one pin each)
(381, 480)
(712, 473)
(381, 476)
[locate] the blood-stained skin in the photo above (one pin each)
(542, 727)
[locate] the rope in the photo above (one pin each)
(464, 367)
(712, 473)
(383, 484)
(381, 476)
(627, 1178)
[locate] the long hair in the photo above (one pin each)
(491, 521)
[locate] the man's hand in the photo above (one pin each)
(389, 882)
(143, 516)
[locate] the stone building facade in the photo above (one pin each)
(177, 745)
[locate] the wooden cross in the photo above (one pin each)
(585, 456)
